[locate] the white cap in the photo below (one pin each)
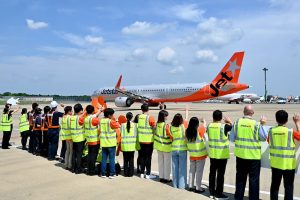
(53, 104)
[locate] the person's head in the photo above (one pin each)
(90, 109)
(38, 111)
(5, 110)
(47, 109)
(136, 119)
(217, 115)
(177, 120)
(78, 109)
(162, 116)
(7, 105)
(24, 111)
(108, 113)
(145, 107)
(34, 106)
(248, 110)
(68, 110)
(281, 117)
(192, 129)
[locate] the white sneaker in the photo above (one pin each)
(112, 177)
(150, 177)
(103, 176)
(142, 175)
(211, 197)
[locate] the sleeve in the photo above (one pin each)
(263, 132)
(168, 131)
(201, 131)
(296, 135)
(232, 133)
(185, 123)
(152, 121)
(60, 114)
(95, 121)
(114, 124)
(81, 121)
(227, 128)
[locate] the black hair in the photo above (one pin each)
(192, 129)
(161, 116)
(77, 108)
(90, 109)
(136, 119)
(24, 111)
(129, 117)
(281, 117)
(38, 111)
(7, 105)
(108, 112)
(67, 109)
(47, 109)
(145, 107)
(217, 115)
(5, 110)
(34, 106)
(177, 120)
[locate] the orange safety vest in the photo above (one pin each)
(49, 120)
(44, 123)
(31, 119)
(34, 125)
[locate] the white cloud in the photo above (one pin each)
(176, 70)
(93, 40)
(206, 56)
(188, 12)
(79, 40)
(31, 24)
(140, 53)
(167, 55)
(215, 32)
(144, 28)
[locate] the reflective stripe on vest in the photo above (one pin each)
(179, 141)
(90, 131)
(282, 148)
(24, 124)
(76, 129)
(128, 142)
(145, 131)
(218, 142)
(6, 122)
(162, 141)
(247, 143)
(197, 148)
(65, 131)
(108, 136)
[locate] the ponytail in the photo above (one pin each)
(129, 116)
(128, 126)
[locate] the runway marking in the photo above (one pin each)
(232, 186)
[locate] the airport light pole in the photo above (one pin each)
(265, 70)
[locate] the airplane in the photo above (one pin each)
(240, 97)
(226, 82)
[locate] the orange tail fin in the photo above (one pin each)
(231, 71)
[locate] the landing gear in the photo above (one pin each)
(162, 106)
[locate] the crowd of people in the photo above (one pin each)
(91, 141)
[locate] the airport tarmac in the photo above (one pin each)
(24, 176)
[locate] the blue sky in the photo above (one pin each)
(74, 47)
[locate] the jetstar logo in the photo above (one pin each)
(220, 83)
(108, 91)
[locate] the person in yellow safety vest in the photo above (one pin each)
(138, 147)
(145, 130)
(24, 128)
(283, 154)
(162, 143)
(7, 125)
(128, 144)
(247, 136)
(91, 133)
(77, 132)
(179, 151)
(198, 153)
(218, 141)
(65, 134)
(30, 117)
(108, 141)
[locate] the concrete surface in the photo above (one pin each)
(24, 176)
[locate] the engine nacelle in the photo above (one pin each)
(123, 102)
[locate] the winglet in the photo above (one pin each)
(118, 83)
(232, 68)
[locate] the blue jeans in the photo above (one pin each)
(109, 152)
(53, 136)
(179, 169)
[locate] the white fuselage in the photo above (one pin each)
(240, 97)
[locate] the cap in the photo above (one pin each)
(53, 104)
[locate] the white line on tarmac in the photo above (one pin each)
(232, 186)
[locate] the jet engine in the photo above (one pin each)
(123, 102)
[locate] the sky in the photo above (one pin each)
(74, 47)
